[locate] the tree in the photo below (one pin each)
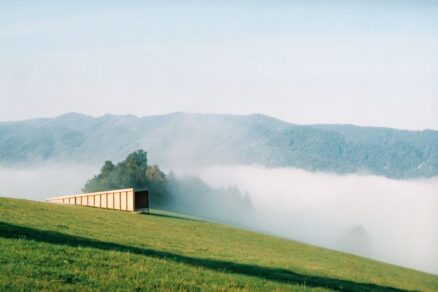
(133, 172)
(157, 184)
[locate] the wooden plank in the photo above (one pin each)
(116, 201)
(111, 196)
(130, 201)
(103, 201)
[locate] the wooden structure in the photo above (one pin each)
(123, 200)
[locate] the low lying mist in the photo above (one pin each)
(47, 180)
(191, 195)
(395, 221)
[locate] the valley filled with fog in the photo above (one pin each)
(395, 221)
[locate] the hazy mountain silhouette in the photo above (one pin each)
(182, 139)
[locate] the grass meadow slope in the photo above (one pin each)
(54, 247)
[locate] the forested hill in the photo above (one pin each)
(182, 139)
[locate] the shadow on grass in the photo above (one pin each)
(171, 216)
(8, 230)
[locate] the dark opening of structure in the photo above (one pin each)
(141, 199)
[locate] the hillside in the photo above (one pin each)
(181, 139)
(50, 247)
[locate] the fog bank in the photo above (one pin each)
(47, 180)
(394, 221)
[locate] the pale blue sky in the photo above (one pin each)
(360, 62)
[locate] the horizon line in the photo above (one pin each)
(213, 114)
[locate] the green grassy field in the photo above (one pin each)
(55, 247)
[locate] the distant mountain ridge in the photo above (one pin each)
(183, 139)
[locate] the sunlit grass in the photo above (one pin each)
(53, 247)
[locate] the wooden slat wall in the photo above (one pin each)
(117, 200)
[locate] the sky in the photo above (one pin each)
(368, 62)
